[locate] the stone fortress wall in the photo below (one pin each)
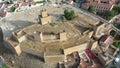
(62, 37)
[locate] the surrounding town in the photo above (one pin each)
(59, 33)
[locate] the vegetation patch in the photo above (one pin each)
(91, 9)
(52, 24)
(117, 25)
(10, 2)
(52, 33)
(109, 14)
(117, 44)
(68, 14)
(12, 9)
(4, 66)
(112, 33)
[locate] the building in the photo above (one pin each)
(72, 60)
(54, 55)
(105, 41)
(52, 37)
(99, 5)
(109, 55)
(104, 50)
(44, 18)
(115, 24)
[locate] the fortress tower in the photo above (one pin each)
(44, 18)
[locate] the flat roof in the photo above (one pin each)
(32, 45)
(50, 51)
(77, 42)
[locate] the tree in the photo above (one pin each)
(91, 9)
(4, 66)
(116, 9)
(109, 15)
(12, 9)
(63, 18)
(66, 11)
(112, 33)
(117, 44)
(117, 25)
(72, 14)
(69, 14)
(100, 13)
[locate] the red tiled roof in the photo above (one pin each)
(83, 64)
(103, 38)
(90, 54)
(101, 5)
(95, 4)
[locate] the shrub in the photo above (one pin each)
(91, 9)
(52, 24)
(63, 18)
(117, 44)
(112, 33)
(69, 14)
(4, 66)
(53, 33)
(12, 9)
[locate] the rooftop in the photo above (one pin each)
(53, 51)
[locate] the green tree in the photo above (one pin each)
(69, 14)
(117, 44)
(12, 9)
(63, 18)
(117, 25)
(91, 9)
(66, 11)
(72, 14)
(100, 13)
(112, 33)
(4, 66)
(116, 9)
(110, 15)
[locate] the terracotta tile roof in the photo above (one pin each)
(101, 5)
(103, 38)
(83, 64)
(90, 54)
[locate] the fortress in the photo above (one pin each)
(54, 43)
